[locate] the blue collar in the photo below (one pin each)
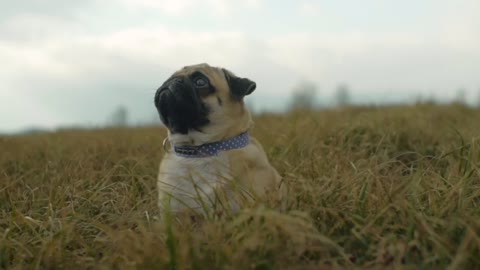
(212, 149)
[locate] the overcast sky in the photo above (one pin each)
(73, 62)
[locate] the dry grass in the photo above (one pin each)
(371, 188)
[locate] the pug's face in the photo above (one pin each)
(201, 98)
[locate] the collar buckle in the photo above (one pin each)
(166, 141)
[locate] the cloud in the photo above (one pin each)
(64, 69)
(26, 28)
(82, 78)
(406, 63)
(309, 9)
(219, 8)
(51, 8)
(171, 7)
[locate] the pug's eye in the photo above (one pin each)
(201, 82)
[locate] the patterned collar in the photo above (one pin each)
(212, 149)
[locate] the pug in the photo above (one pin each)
(211, 164)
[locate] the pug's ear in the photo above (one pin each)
(239, 87)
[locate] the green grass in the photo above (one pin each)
(370, 188)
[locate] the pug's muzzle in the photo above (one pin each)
(180, 107)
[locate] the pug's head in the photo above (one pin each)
(201, 103)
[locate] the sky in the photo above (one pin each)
(66, 62)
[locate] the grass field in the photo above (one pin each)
(370, 188)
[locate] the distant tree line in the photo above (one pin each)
(119, 117)
(304, 96)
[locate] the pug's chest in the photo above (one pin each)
(189, 182)
(199, 170)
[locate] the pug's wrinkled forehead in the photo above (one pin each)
(193, 68)
(213, 73)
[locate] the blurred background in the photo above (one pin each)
(95, 63)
